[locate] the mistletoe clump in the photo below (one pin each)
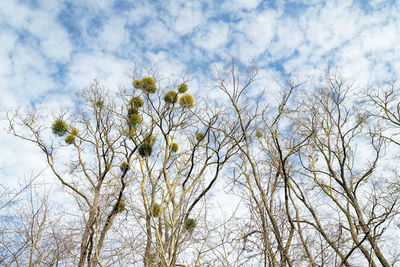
(124, 167)
(182, 88)
(133, 116)
(121, 206)
(259, 134)
(130, 131)
(190, 224)
(99, 104)
(136, 102)
(133, 111)
(70, 139)
(146, 147)
(74, 131)
(199, 136)
(171, 97)
(186, 101)
(147, 84)
(155, 210)
(59, 127)
(174, 147)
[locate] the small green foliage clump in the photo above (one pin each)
(133, 116)
(186, 101)
(146, 147)
(190, 224)
(74, 131)
(199, 136)
(124, 167)
(137, 84)
(121, 206)
(136, 102)
(259, 134)
(155, 210)
(182, 88)
(100, 103)
(130, 131)
(70, 139)
(174, 147)
(59, 127)
(147, 84)
(171, 97)
(132, 110)
(135, 119)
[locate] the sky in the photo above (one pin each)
(50, 49)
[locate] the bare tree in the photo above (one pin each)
(94, 143)
(141, 166)
(263, 168)
(131, 139)
(178, 162)
(349, 184)
(299, 173)
(33, 233)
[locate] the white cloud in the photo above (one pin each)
(28, 76)
(188, 17)
(253, 34)
(376, 3)
(101, 4)
(53, 39)
(156, 33)
(18, 158)
(329, 27)
(214, 36)
(9, 8)
(380, 38)
(56, 45)
(259, 27)
(8, 40)
(238, 5)
(166, 65)
(139, 13)
(113, 35)
(109, 70)
(247, 4)
(361, 44)
(289, 37)
(95, 6)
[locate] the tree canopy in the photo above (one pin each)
(147, 166)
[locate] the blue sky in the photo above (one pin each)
(53, 48)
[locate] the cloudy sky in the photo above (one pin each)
(50, 49)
